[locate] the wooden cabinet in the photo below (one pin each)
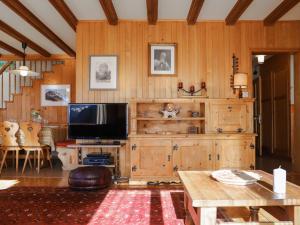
(151, 158)
(237, 153)
(230, 116)
(192, 155)
(190, 141)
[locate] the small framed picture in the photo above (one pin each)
(103, 72)
(162, 59)
(55, 95)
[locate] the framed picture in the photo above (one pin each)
(162, 59)
(103, 72)
(55, 95)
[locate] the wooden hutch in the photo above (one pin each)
(222, 137)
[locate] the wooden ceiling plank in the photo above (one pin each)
(194, 11)
(236, 12)
(11, 49)
(63, 9)
(29, 17)
(280, 11)
(110, 12)
(152, 11)
(4, 67)
(20, 37)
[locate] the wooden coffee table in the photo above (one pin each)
(203, 195)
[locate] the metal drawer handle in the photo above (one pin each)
(175, 147)
(219, 130)
(239, 130)
(133, 147)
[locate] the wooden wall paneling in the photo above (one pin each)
(296, 153)
(132, 65)
(91, 50)
(139, 55)
(85, 63)
(202, 49)
(99, 47)
(174, 81)
(204, 53)
(79, 60)
(209, 61)
(115, 49)
(120, 95)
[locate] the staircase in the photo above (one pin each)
(11, 85)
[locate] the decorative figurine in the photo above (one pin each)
(169, 111)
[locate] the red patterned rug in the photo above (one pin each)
(155, 206)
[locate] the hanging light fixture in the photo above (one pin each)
(260, 59)
(23, 70)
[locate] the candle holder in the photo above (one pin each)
(192, 92)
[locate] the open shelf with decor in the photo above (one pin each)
(168, 117)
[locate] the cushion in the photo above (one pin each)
(90, 178)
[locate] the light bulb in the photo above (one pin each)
(260, 59)
(24, 73)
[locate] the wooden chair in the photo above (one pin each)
(8, 132)
(31, 143)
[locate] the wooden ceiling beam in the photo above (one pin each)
(152, 11)
(63, 9)
(280, 11)
(11, 49)
(20, 37)
(236, 12)
(110, 12)
(4, 67)
(194, 11)
(29, 17)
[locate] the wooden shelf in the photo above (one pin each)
(171, 119)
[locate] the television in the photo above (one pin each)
(103, 121)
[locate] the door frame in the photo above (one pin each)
(269, 51)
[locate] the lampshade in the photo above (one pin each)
(260, 59)
(240, 80)
(24, 71)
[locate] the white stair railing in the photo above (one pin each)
(11, 84)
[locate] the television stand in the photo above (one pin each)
(114, 145)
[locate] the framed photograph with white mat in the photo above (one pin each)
(162, 59)
(55, 94)
(104, 72)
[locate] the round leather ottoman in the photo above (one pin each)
(90, 178)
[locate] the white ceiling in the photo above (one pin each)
(126, 9)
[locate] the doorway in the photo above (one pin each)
(273, 82)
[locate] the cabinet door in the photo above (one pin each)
(228, 117)
(192, 155)
(238, 153)
(151, 157)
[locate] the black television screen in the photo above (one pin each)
(98, 121)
